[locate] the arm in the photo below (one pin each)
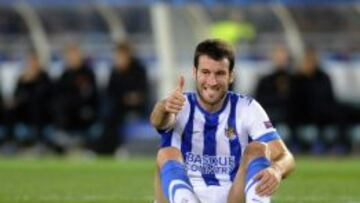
(164, 114)
(283, 164)
(160, 118)
(281, 157)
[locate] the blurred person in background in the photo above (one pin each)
(76, 98)
(127, 95)
(32, 99)
(2, 120)
(1, 107)
(312, 95)
(272, 90)
(312, 100)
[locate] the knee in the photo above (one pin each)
(168, 153)
(255, 150)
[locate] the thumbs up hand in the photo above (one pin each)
(175, 102)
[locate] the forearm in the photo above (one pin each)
(236, 193)
(285, 163)
(159, 118)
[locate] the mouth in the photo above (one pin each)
(211, 90)
(210, 95)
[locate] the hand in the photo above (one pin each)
(270, 179)
(176, 100)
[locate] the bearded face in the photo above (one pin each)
(213, 78)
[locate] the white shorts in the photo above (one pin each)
(219, 194)
(212, 194)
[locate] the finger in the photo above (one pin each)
(173, 111)
(263, 182)
(176, 102)
(178, 96)
(176, 105)
(264, 193)
(173, 108)
(265, 187)
(259, 175)
(272, 189)
(172, 105)
(270, 186)
(269, 190)
(180, 84)
(262, 177)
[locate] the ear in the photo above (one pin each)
(194, 72)
(232, 76)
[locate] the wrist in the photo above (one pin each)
(277, 168)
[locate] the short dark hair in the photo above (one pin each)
(216, 49)
(123, 46)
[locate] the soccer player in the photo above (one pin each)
(217, 146)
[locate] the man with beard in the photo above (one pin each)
(217, 146)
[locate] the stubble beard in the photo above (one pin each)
(219, 100)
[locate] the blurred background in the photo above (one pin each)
(83, 76)
(78, 80)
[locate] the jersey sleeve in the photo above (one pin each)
(259, 126)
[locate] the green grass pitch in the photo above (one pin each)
(54, 180)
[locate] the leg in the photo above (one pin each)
(253, 160)
(159, 195)
(163, 156)
(172, 177)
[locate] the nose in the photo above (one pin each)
(212, 80)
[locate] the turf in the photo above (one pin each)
(124, 181)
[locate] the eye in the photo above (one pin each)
(204, 71)
(221, 73)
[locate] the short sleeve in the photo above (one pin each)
(259, 126)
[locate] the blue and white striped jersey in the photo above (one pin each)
(212, 143)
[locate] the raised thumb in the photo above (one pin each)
(181, 83)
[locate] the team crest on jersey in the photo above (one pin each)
(230, 133)
(268, 124)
